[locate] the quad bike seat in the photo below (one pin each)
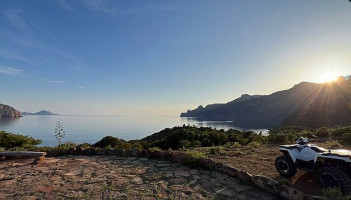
(341, 152)
(292, 146)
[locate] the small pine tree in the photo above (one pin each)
(59, 132)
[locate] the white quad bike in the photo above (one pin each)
(332, 167)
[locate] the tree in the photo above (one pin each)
(59, 132)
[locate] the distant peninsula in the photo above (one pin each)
(9, 112)
(42, 112)
(306, 104)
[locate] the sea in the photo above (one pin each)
(91, 128)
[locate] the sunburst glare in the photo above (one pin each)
(328, 77)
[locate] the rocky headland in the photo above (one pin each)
(9, 112)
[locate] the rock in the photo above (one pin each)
(218, 166)
(244, 176)
(266, 183)
(179, 157)
(135, 152)
(229, 170)
(9, 112)
(207, 163)
(291, 193)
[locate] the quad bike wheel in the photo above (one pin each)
(331, 177)
(285, 166)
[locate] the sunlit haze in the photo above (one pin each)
(164, 57)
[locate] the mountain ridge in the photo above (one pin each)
(300, 105)
(42, 112)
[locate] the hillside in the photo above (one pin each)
(8, 112)
(305, 104)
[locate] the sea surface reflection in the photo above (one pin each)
(91, 128)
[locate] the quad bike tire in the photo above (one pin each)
(285, 166)
(331, 177)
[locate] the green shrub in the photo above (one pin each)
(334, 194)
(196, 143)
(184, 143)
(306, 133)
(284, 182)
(216, 150)
(154, 149)
(331, 144)
(85, 145)
(322, 132)
(236, 145)
(280, 138)
(109, 140)
(125, 145)
(137, 145)
(10, 140)
(254, 144)
(339, 131)
(193, 158)
(346, 137)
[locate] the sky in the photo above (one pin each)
(164, 57)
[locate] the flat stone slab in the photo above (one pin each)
(106, 177)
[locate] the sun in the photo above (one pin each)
(328, 77)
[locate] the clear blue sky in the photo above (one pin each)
(164, 57)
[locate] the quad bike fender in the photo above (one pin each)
(289, 153)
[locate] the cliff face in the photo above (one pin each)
(8, 112)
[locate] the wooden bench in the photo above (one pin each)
(39, 157)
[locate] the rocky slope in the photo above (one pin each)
(8, 112)
(305, 104)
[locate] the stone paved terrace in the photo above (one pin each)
(110, 177)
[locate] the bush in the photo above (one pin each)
(307, 134)
(236, 145)
(216, 150)
(126, 145)
(85, 146)
(254, 144)
(184, 144)
(196, 143)
(109, 141)
(322, 132)
(10, 140)
(280, 138)
(334, 194)
(341, 130)
(193, 158)
(284, 182)
(346, 137)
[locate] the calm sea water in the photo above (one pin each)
(90, 129)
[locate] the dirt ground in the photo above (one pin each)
(261, 161)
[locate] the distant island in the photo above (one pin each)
(42, 112)
(9, 112)
(306, 104)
